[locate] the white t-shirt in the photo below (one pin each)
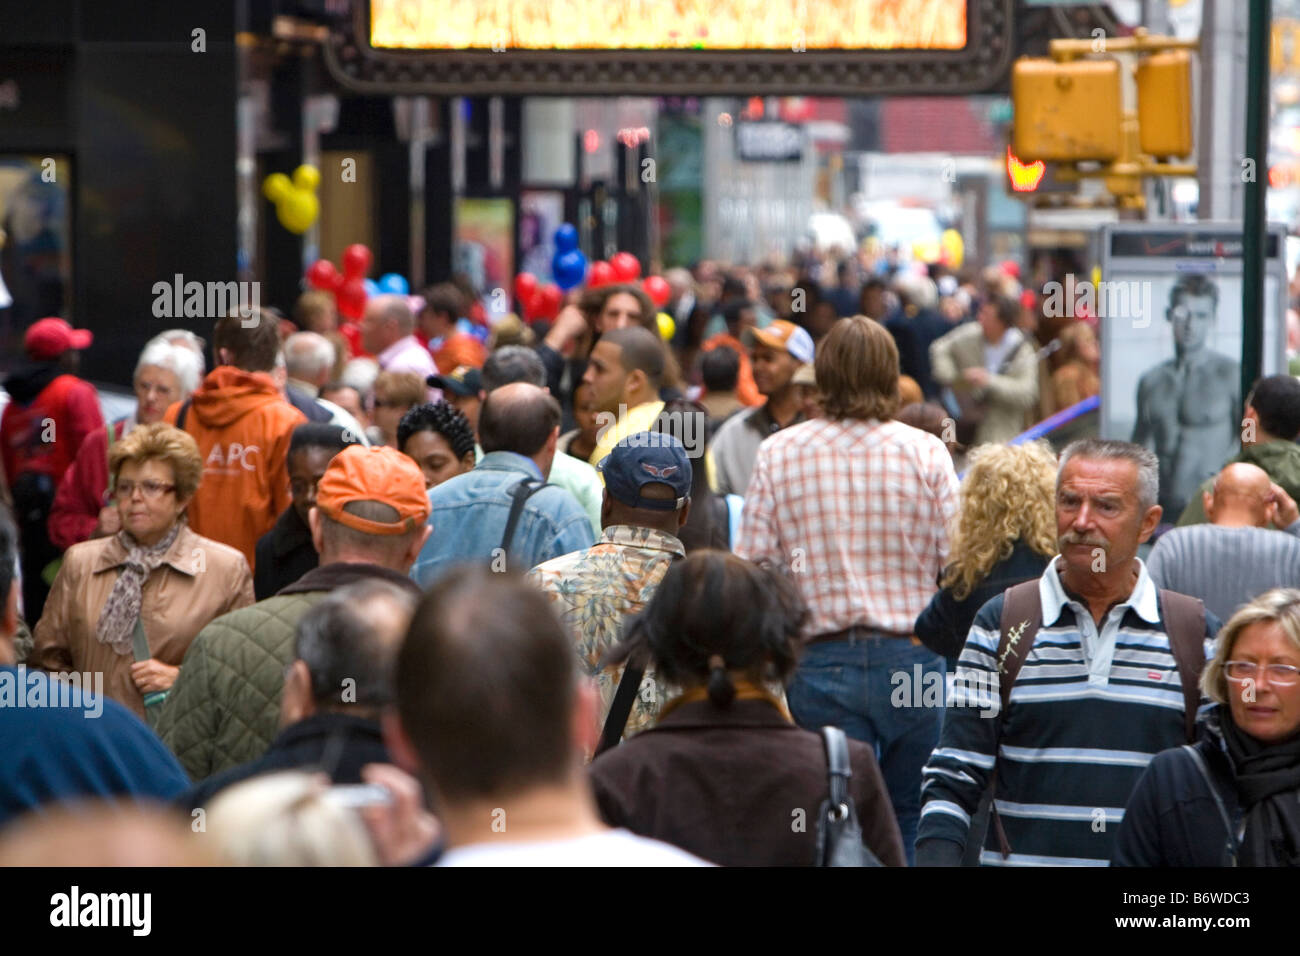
(609, 848)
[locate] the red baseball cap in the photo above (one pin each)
(49, 338)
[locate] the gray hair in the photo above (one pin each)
(339, 639)
(307, 355)
(180, 360)
(1105, 449)
(512, 363)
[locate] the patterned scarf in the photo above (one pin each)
(117, 620)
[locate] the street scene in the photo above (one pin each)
(761, 433)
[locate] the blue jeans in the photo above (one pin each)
(850, 684)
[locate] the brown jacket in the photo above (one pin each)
(738, 786)
(200, 580)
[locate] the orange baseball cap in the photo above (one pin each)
(787, 337)
(378, 474)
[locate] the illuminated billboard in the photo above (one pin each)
(785, 25)
(673, 47)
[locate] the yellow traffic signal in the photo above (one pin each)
(1065, 112)
(1164, 87)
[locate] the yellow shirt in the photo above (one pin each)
(614, 428)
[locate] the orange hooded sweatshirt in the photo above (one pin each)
(242, 425)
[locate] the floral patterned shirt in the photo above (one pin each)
(597, 590)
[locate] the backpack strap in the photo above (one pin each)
(519, 494)
(1184, 619)
(1022, 617)
(181, 414)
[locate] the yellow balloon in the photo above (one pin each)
(667, 327)
(276, 186)
(306, 177)
(954, 249)
(298, 210)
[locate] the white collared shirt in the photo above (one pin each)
(1098, 648)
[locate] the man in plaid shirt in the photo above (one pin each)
(858, 507)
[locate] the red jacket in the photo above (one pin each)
(47, 419)
(83, 490)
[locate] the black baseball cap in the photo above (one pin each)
(464, 380)
(647, 458)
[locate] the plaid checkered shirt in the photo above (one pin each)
(859, 511)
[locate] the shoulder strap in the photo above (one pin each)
(108, 458)
(181, 414)
(1184, 618)
(621, 707)
(837, 764)
(518, 494)
(1022, 616)
(1199, 761)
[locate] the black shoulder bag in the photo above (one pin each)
(839, 834)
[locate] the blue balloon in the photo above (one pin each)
(393, 283)
(371, 287)
(570, 268)
(566, 238)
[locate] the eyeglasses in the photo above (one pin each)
(150, 489)
(1282, 674)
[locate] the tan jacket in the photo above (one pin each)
(1010, 396)
(200, 580)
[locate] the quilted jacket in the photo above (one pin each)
(224, 708)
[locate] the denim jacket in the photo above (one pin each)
(469, 519)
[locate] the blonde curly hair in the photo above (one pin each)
(1008, 495)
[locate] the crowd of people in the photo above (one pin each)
(609, 590)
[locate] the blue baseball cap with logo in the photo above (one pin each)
(647, 458)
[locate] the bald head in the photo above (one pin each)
(1242, 496)
(521, 418)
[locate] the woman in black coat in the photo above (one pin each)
(1005, 533)
(1233, 798)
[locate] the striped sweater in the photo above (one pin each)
(1088, 712)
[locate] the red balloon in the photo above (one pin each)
(547, 302)
(658, 289)
(626, 266)
(321, 274)
(356, 261)
(525, 290)
(351, 297)
(601, 273)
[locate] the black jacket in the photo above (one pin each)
(738, 786)
(284, 554)
(1172, 818)
(943, 625)
(336, 744)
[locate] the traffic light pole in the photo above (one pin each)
(1254, 222)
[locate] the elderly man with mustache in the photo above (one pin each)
(1102, 671)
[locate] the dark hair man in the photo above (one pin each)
(646, 503)
(341, 678)
(285, 553)
(720, 370)
(242, 425)
(1270, 427)
(868, 541)
(444, 330)
(504, 512)
(492, 715)
(369, 522)
(625, 371)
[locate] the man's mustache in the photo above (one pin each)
(1071, 537)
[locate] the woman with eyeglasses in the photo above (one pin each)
(124, 608)
(1233, 798)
